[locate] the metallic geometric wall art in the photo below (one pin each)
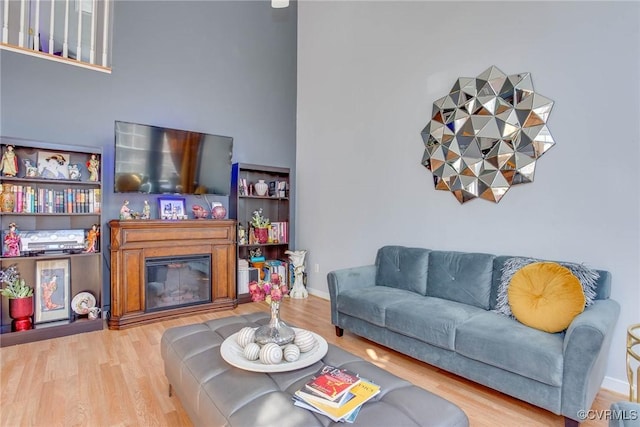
(486, 135)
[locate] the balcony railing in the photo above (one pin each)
(76, 32)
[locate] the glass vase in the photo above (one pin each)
(276, 331)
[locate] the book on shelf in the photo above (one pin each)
(278, 267)
(278, 188)
(331, 382)
(279, 232)
(362, 392)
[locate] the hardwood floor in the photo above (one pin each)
(116, 378)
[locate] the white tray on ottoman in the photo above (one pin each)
(215, 393)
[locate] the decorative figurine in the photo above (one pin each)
(146, 210)
(297, 260)
(30, 170)
(92, 239)
(12, 243)
(242, 235)
(199, 212)
(9, 162)
(74, 172)
(125, 212)
(93, 166)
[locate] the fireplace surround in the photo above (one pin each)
(165, 269)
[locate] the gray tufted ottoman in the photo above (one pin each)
(215, 393)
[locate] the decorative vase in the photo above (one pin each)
(261, 187)
(262, 235)
(276, 331)
(7, 199)
(218, 212)
(21, 310)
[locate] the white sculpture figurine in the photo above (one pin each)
(297, 260)
(146, 210)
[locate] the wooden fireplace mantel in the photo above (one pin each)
(133, 241)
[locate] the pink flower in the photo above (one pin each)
(276, 294)
(266, 291)
(257, 293)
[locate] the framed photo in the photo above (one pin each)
(53, 165)
(171, 208)
(52, 290)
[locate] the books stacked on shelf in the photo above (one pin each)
(246, 275)
(279, 267)
(278, 189)
(337, 393)
(46, 200)
(279, 232)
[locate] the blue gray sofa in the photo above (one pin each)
(437, 306)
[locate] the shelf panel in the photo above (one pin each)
(50, 214)
(49, 181)
(283, 199)
(48, 255)
(260, 245)
(45, 331)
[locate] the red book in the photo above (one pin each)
(331, 382)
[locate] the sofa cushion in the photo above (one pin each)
(403, 268)
(461, 276)
(371, 303)
(589, 279)
(432, 320)
(546, 296)
(508, 344)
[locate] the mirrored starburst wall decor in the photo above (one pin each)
(486, 135)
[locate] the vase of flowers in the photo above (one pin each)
(260, 226)
(276, 331)
(20, 298)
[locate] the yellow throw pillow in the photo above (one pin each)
(545, 296)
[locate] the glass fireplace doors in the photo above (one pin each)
(177, 282)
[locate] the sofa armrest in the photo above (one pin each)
(586, 348)
(349, 278)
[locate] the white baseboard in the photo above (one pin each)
(616, 385)
(319, 294)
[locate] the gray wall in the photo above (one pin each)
(368, 73)
(226, 68)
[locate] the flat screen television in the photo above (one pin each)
(159, 160)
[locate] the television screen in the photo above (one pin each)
(159, 160)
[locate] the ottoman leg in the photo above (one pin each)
(339, 331)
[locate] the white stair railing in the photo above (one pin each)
(75, 31)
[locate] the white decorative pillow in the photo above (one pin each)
(588, 279)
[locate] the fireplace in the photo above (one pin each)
(168, 269)
(173, 282)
